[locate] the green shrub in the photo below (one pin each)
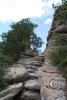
(5, 58)
(58, 57)
(63, 63)
(62, 40)
(61, 13)
(4, 61)
(3, 84)
(65, 71)
(58, 54)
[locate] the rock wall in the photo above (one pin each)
(53, 84)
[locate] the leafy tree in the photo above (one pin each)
(20, 37)
(36, 42)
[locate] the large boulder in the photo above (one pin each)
(16, 73)
(11, 91)
(32, 85)
(29, 95)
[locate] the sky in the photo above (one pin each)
(40, 12)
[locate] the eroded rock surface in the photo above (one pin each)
(29, 95)
(32, 85)
(11, 91)
(53, 84)
(16, 73)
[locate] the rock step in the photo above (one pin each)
(29, 95)
(33, 76)
(32, 85)
(24, 71)
(53, 84)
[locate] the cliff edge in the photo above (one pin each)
(53, 84)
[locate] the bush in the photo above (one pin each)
(3, 84)
(63, 63)
(4, 61)
(5, 58)
(60, 39)
(58, 54)
(61, 13)
(58, 57)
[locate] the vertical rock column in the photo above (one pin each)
(53, 84)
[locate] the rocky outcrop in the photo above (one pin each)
(16, 73)
(26, 72)
(11, 91)
(53, 84)
(29, 95)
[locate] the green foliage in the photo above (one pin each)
(61, 13)
(60, 39)
(5, 59)
(58, 54)
(20, 37)
(36, 42)
(63, 63)
(3, 83)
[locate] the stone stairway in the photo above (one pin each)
(53, 84)
(23, 80)
(32, 79)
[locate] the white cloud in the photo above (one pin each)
(17, 9)
(48, 21)
(48, 6)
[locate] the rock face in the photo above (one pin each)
(11, 91)
(16, 73)
(53, 84)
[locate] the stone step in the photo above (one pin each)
(32, 85)
(29, 95)
(33, 76)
